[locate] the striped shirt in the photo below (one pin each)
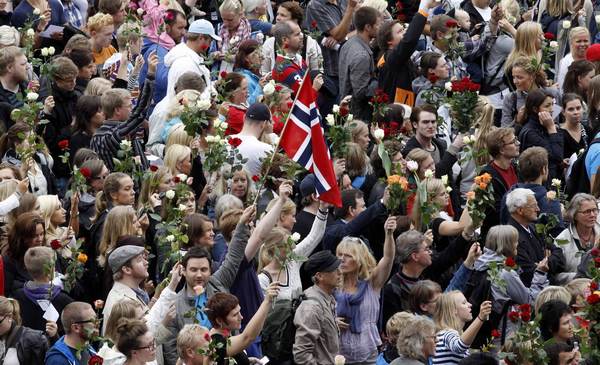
(108, 137)
(449, 348)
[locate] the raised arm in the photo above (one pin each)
(310, 242)
(469, 334)
(240, 342)
(268, 222)
(383, 269)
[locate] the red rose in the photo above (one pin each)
(225, 332)
(86, 172)
(513, 316)
(207, 336)
(343, 111)
(55, 244)
(313, 24)
(451, 23)
(597, 261)
(595, 252)
(223, 74)
(290, 104)
(64, 144)
(510, 262)
(525, 308)
(176, 179)
(496, 333)
(583, 323)
(593, 299)
(525, 316)
(95, 360)
(432, 78)
(549, 36)
(593, 286)
(234, 142)
(153, 168)
(278, 87)
(255, 178)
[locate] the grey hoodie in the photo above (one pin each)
(421, 84)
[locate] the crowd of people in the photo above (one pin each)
(153, 211)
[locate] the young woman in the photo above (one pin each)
(234, 88)
(22, 345)
(178, 159)
(247, 62)
(235, 27)
(223, 311)
(575, 134)
(120, 221)
(358, 297)
(28, 231)
(200, 230)
(577, 78)
(541, 130)
(528, 44)
(557, 321)
(135, 341)
(126, 308)
(55, 216)
(88, 117)
(434, 73)
(359, 170)
(453, 311)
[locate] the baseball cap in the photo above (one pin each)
(258, 112)
(308, 185)
(322, 261)
(119, 257)
(202, 26)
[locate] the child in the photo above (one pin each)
(34, 296)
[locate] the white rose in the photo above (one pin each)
(336, 108)
(224, 125)
(466, 139)
(412, 166)
(295, 236)
(448, 86)
(170, 194)
(44, 52)
(125, 144)
(350, 117)
(36, 11)
(203, 104)
(170, 238)
(444, 179)
(553, 44)
(598, 18)
(30, 32)
(566, 24)
(182, 207)
(217, 123)
(556, 182)
(428, 173)
(339, 360)
(32, 96)
(233, 40)
(218, 139)
(182, 177)
(378, 133)
(51, 51)
(330, 119)
(269, 88)
(210, 139)
(140, 11)
(448, 189)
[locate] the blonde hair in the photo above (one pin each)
(221, 185)
(234, 6)
(525, 43)
(48, 205)
(445, 314)
(269, 250)
(358, 250)
(511, 10)
(578, 288)
(395, 324)
(412, 336)
(289, 207)
(7, 188)
(124, 308)
(97, 86)
(174, 154)
(433, 187)
(552, 292)
(357, 160)
(150, 185)
(358, 128)
(418, 155)
(485, 124)
(99, 21)
(9, 307)
(577, 31)
(559, 8)
(191, 336)
(119, 222)
(178, 135)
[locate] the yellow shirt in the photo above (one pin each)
(103, 55)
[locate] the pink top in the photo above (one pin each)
(153, 19)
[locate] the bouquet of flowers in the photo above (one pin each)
(399, 192)
(339, 132)
(76, 262)
(379, 102)
(527, 340)
(481, 198)
(463, 103)
(125, 161)
(29, 114)
(589, 317)
(194, 115)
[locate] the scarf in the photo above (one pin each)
(243, 32)
(37, 292)
(348, 305)
(142, 295)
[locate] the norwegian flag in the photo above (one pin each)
(303, 141)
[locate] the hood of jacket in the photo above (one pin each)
(422, 83)
(488, 256)
(180, 51)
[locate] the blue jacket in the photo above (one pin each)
(254, 88)
(60, 354)
(162, 71)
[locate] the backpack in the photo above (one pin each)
(279, 332)
(579, 181)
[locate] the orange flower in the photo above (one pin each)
(470, 195)
(394, 179)
(82, 258)
(486, 178)
(403, 183)
(477, 179)
(482, 185)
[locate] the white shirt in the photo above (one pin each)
(563, 67)
(253, 149)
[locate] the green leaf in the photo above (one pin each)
(385, 159)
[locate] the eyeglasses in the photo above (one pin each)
(589, 211)
(151, 346)
(95, 321)
(513, 141)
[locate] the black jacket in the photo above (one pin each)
(398, 70)
(534, 134)
(31, 345)
(492, 216)
(15, 276)
(476, 18)
(447, 159)
(33, 315)
(531, 250)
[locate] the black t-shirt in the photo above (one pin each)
(222, 359)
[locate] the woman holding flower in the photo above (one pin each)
(247, 62)
(280, 103)
(233, 87)
(234, 29)
(359, 293)
(499, 260)
(435, 72)
(54, 216)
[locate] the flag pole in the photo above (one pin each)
(262, 181)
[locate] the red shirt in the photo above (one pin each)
(235, 119)
(509, 175)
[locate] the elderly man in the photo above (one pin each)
(532, 249)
